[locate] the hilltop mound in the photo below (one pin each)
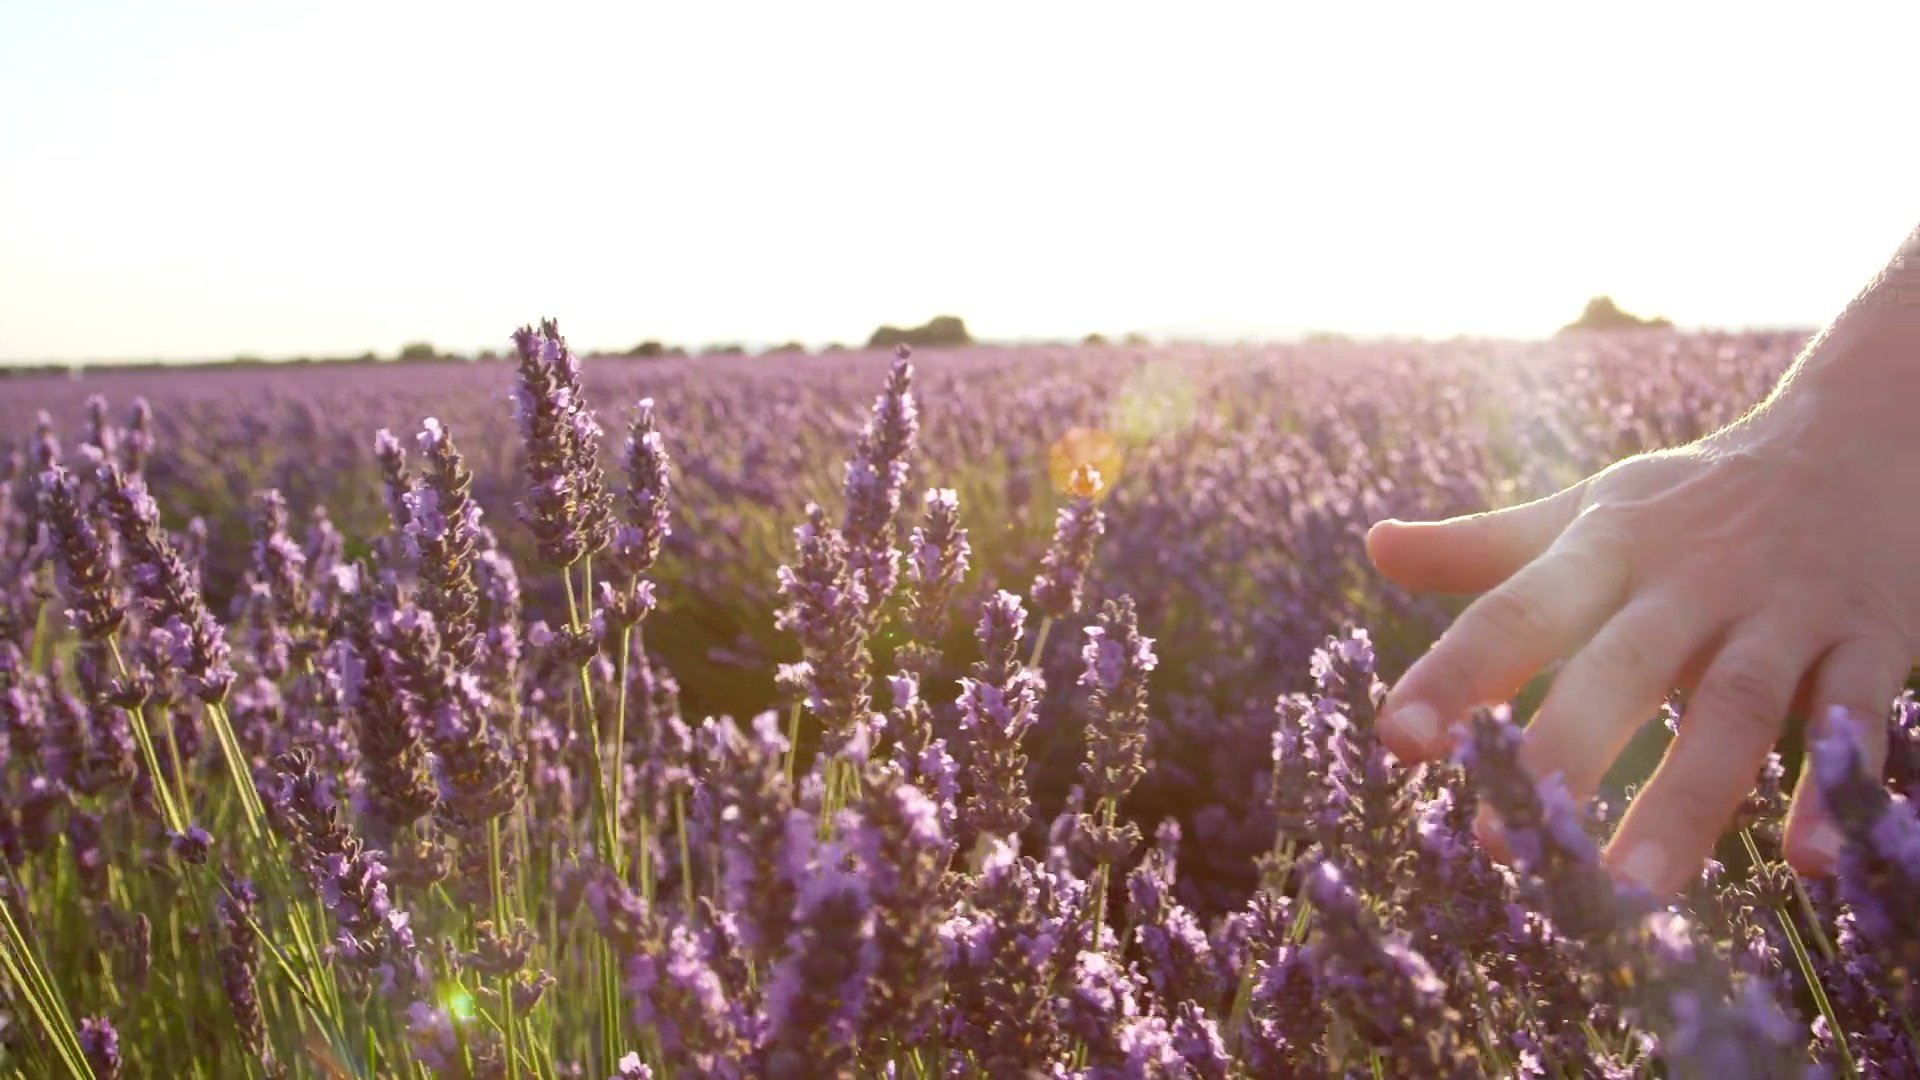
(1603, 314)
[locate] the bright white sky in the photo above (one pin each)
(278, 179)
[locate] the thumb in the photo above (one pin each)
(1474, 553)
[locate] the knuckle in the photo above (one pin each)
(1747, 693)
(1868, 612)
(1625, 653)
(1696, 810)
(1514, 615)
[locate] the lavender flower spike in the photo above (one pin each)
(1063, 570)
(1117, 661)
(170, 590)
(826, 606)
(567, 505)
(937, 561)
(97, 609)
(876, 476)
(997, 706)
(636, 542)
(100, 1043)
(442, 535)
(1880, 864)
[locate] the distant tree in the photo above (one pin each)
(787, 348)
(833, 347)
(725, 350)
(1095, 338)
(1603, 314)
(417, 350)
(942, 331)
(1136, 338)
(487, 356)
(648, 350)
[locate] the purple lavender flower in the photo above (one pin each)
(97, 609)
(636, 542)
(1175, 952)
(876, 476)
(139, 441)
(816, 994)
(938, 552)
(1024, 927)
(1117, 661)
(100, 1043)
(758, 885)
(826, 603)
(441, 537)
(1388, 990)
(392, 457)
(997, 706)
(279, 603)
(377, 684)
(1880, 864)
(1287, 1017)
(567, 506)
(1543, 831)
(170, 591)
(901, 849)
(375, 937)
(1063, 571)
(238, 948)
(630, 1067)
(678, 993)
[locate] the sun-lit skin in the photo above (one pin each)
(1766, 569)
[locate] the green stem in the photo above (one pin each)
(607, 971)
(497, 880)
(1040, 643)
(620, 741)
(686, 858)
(169, 809)
(793, 742)
(26, 972)
(1807, 970)
(237, 767)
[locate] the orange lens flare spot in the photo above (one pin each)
(1084, 461)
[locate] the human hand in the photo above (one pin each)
(1768, 568)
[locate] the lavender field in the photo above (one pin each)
(992, 712)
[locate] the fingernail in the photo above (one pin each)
(1824, 843)
(1645, 865)
(1417, 721)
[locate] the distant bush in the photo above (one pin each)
(940, 331)
(788, 348)
(1095, 338)
(648, 350)
(418, 350)
(1603, 314)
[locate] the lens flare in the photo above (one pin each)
(1084, 446)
